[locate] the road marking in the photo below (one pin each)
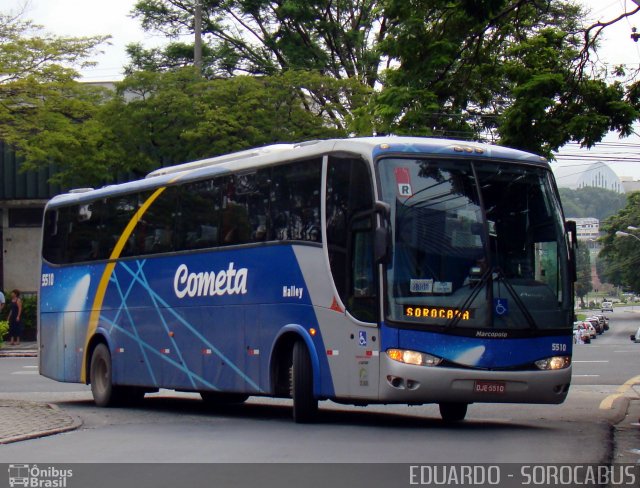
(25, 372)
(599, 361)
(586, 375)
(607, 403)
(30, 367)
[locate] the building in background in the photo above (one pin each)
(596, 175)
(588, 229)
(629, 184)
(23, 196)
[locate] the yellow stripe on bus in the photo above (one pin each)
(106, 276)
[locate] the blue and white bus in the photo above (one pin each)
(365, 271)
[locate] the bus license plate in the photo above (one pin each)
(492, 387)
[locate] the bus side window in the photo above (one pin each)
(55, 236)
(295, 201)
(200, 213)
(362, 289)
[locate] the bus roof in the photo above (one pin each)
(372, 147)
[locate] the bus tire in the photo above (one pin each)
(305, 405)
(453, 412)
(105, 393)
(218, 398)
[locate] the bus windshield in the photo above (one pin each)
(476, 245)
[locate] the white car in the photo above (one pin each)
(593, 333)
(636, 338)
(607, 306)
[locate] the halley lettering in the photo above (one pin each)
(224, 282)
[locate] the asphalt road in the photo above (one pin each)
(172, 427)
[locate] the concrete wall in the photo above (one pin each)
(20, 256)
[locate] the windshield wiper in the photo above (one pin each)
(484, 279)
(488, 278)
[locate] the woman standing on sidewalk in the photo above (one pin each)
(15, 318)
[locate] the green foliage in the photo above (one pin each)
(620, 256)
(29, 312)
(176, 116)
(591, 202)
(45, 114)
(4, 329)
(336, 38)
(513, 71)
(583, 283)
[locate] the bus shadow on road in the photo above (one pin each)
(329, 414)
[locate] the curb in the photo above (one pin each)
(18, 354)
(627, 435)
(51, 418)
(26, 350)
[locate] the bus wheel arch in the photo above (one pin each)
(100, 377)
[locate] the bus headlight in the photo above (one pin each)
(553, 363)
(413, 357)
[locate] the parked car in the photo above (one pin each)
(606, 321)
(596, 324)
(607, 307)
(593, 333)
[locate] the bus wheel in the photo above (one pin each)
(453, 412)
(105, 394)
(305, 405)
(218, 398)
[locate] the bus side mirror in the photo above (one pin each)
(382, 243)
(571, 229)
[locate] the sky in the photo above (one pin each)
(112, 17)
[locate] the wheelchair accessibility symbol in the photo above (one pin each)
(362, 338)
(501, 306)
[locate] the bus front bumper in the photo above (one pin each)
(404, 383)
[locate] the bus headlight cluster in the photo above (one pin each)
(413, 357)
(553, 363)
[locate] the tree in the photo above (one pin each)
(592, 202)
(44, 113)
(621, 255)
(336, 39)
(583, 283)
(173, 117)
(264, 37)
(517, 72)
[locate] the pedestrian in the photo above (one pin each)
(1, 300)
(15, 318)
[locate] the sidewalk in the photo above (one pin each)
(22, 420)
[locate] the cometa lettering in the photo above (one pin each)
(224, 282)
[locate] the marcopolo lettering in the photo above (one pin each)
(210, 283)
